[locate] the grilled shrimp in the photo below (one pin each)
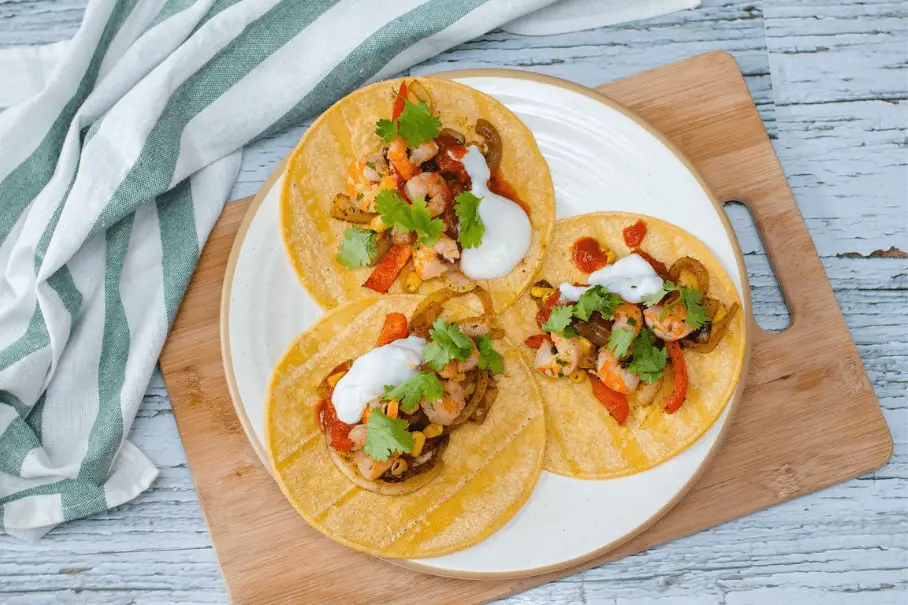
(361, 187)
(448, 408)
(375, 167)
(425, 152)
(559, 359)
(397, 155)
(628, 316)
(456, 367)
(358, 436)
(369, 468)
(615, 377)
(432, 186)
(432, 261)
(668, 323)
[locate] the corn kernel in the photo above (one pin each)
(540, 292)
(433, 430)
(585, 345)
(610, 257)
(577, 376)
(419, 440)
(377, 224)
(412, 283)
(335, 378)
(392, 409)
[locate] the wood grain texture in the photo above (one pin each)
(829, 79)
(783, 442)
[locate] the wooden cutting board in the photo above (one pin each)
(785, 441)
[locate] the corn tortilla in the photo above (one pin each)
(583, 440)
(489, 469)
(317, 170)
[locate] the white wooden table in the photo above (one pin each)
(830, 78)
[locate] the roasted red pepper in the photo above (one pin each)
(395, 328)
(550, 303)
(388, 268)
(613, 401)
(399, 101)
(535, 341)
(338, 432)
(633, 235)
(679, 374)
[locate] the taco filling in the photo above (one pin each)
(388, 414)
(627, 327)
(432, 195)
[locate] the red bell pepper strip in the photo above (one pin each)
(550, 303)
(535, 341)
(395, 328)
(388, 268)
(399, 101)
(613, 401)
(679, 374)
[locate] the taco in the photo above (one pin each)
(415, 184)
(405, 427)
(637, 337)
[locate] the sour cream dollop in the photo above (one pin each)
(508, 232)
(392, 364)
(631, 278)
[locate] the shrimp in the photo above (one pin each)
(559, 359)
(397, 154)
(432, 261)
(613, 375)
(646, 392)
(474, 326)
(376, 167)
(363, 189)
(425, 152)
(457, 367)
(369, 468)
(668, 322)
(358, 436)
(432, 186)
(628, 316)
(448, 408)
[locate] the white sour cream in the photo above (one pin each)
(508, 232)
(631, 278)
(390, 364)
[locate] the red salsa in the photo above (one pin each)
(633, 235)
(338, 432)
(499, 185)
(587, 255)
(658, 266)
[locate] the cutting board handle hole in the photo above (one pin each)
(769, 307)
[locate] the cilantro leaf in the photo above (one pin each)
(648, 361)
(447, 342)
(358, 248)
(489, 358)
(653, 299)
(385, 436)
(619, 341)
(428, 230)
(386, 129)
(396, 212)
(412, 390)
(471, 226)
(559, 320)
(696, 314)
(596, 298)
(417, 124)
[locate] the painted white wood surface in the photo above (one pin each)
(830, 78)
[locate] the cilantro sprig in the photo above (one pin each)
(599, 299)
(358, 248)
(385, 436)
(446, 342)
(489, 358)
(648, 361)
(416, 124)
(395, 212)
(619, 341)
(471, 226)
(422, 385)
(559, 321)
(691, 298)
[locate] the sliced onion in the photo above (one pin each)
(597, 330)
(417, 92)
(716, 331)
(493, 145)
(482, 384)
(694, 267)
(453, 134)
(482, 410)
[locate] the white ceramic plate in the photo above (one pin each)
(602, 157)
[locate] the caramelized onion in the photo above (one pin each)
(482, 410)
(493, 145)
(345, 209)
(715, 332)
(483, 379)
(688, 268)
(597, 330)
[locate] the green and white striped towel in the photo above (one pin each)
(111, 178)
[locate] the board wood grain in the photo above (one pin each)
(808, 419)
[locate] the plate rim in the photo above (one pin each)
(731, 406)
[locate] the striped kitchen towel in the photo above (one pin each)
(111, 178)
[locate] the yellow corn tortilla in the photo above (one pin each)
(489, 469)
(317, 170)
(583, 440)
